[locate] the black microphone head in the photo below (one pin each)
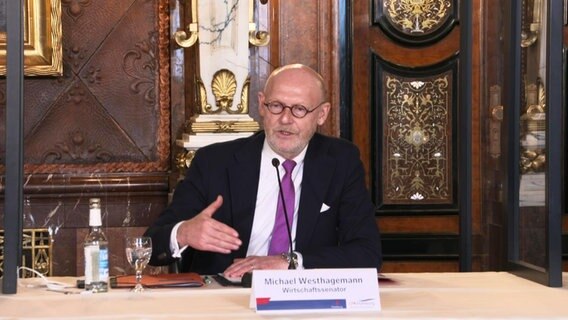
(275, 162)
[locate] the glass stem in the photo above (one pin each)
(138, 277)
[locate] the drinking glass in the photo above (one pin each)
(138, 252)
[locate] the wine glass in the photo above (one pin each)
(138, 252)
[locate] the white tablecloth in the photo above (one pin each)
(487, 295)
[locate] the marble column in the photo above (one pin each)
(222, 30)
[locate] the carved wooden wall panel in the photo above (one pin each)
(100, 130)
(110, 110)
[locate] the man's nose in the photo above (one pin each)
(286, 116)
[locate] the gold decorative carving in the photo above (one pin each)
(497, 113)
(495, 121)
(224, 126)
(528, 38)
(259, 38)
(532, 160)
(203, 105)
(36, 251)
(417, 16)
(243, 106)
(43, 53)
(224, 86)
(181, 37)
(533, 129)
(183, 160)
(417, 155)
(256, 38)
(536, 101)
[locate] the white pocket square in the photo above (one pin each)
(324, 208)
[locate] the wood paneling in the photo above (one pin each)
(307, 33)
(419, 224)
(414, 56)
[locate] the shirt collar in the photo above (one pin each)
(268, 153)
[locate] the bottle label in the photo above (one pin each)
(103, 265)
(91, 264)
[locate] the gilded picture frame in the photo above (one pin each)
(42, 38)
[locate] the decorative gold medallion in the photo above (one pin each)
(417, 16)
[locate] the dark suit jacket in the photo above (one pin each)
(345, 236)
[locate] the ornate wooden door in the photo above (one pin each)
(411, 120)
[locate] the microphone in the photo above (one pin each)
(276, 163)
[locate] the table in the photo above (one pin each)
(482, 295)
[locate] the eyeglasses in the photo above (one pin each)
(298, 110)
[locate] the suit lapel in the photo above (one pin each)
(243, 184)
(318, 170)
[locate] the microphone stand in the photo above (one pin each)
(276, 163)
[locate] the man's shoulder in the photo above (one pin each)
(232, 145)
(335, 144)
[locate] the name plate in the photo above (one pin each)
(277, 291)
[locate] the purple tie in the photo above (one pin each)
(280, 242)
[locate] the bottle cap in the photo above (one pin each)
(94, 202)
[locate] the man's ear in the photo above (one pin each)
(323, 113)
(261, 99)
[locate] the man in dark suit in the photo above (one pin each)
(223, 214)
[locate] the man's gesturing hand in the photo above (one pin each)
(202, 232)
